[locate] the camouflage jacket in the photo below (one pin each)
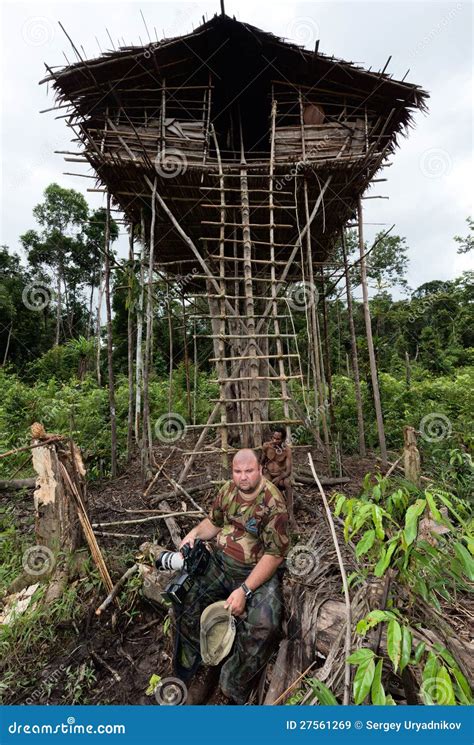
(251, 529)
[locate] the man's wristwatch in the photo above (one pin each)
(247, 590)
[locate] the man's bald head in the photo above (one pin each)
(246, 470)
(243, 455)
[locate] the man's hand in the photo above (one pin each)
(205, 531)
(189, 538)
(236, 602)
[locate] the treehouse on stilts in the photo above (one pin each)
(242, 156)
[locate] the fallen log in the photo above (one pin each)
(313, 628)
(15, 484)
(155, 498)
(304, 478)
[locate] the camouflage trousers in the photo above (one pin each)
(256, 633)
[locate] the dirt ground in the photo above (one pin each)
(110, 659)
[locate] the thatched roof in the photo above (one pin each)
(246, 67)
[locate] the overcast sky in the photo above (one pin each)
(429, 183)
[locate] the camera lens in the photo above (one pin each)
(170, 560)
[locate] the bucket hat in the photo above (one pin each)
(217, 633)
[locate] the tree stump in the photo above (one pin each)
(411, 456)
(57, 525)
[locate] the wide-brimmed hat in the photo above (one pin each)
(217, 633)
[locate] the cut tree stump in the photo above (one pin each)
(57, 525)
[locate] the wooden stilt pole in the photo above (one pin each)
(370, 343)
(113, 423)
(355, 359)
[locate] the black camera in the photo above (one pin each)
(193, 560)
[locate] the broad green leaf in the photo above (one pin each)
(365, 543)
(394, 642)
(377, 518)
(322, 693)
(444, 688)
(446, 655)
(420, 648)
(466, 560)
(463, 686)
(406, 647)
(340, 501)
(433, 508)
(377, 690)
(411, 520)
(376, 492)
(348, 520)
(362, 627)
(431, 667)
(360, 655)
(384, 561)
(363, 680)
(389, 701)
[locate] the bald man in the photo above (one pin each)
(249, 521)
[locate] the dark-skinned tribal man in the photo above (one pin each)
(277, 465)
(249, 522)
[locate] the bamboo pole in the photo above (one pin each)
(113, 423)
(370, 343)
(249, 299)
(147, 437)
(139, 349)
(131, 391)
(220, 346)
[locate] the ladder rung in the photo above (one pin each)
(248, 225)
(260, 398)
(252, 357)
(257, 377)
(254, 261)
(251, 190)
(241, 424)
(240, 240)
(244, 336)
(251, 206)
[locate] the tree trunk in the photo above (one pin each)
(411, 456)
(370, 343)
(355, 358)
(58, 308)
(98, 330)
(113, 423)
